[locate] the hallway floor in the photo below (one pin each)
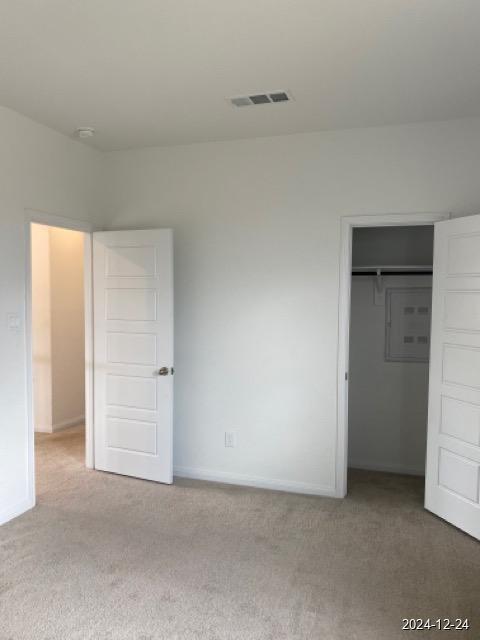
(106, 557)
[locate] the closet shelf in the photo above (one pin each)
(378, 270)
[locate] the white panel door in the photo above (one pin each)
(133, 352)
(452, 484)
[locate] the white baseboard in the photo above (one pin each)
(254, 481)
(43, 428)
(388, 468)
(66, 424)
(16, 510)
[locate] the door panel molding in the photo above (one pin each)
(453, 437)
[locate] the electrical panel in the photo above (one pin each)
(408, 318)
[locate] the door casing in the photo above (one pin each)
(40, 217)
(347, 225)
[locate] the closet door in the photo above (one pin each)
(452, 487)
(133, 352)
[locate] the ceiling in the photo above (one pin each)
(158, 72)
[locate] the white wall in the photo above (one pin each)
(68, 322)
(387, 419)
(43, 170)
(257, 234)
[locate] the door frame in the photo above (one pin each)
(347, 225)
(33, 216)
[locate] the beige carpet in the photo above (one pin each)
(106, 557)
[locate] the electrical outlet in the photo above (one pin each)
(230, 439)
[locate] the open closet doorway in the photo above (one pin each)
(58, 307)
(378, 297)
(390, 319)
(452, 467)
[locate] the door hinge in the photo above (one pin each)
(346, 375)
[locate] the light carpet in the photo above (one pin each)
(106, 557)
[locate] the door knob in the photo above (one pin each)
(164, 371)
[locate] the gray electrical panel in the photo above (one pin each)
(408, 317)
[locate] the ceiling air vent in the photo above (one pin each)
(279, 96)
(261, 98)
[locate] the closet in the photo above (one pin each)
(390, 318)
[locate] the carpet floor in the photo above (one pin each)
(106, 557)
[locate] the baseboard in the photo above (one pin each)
(43, 428)
(226, 477)
(66, 424)
(388, 468)
(16, 510)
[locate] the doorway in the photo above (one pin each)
(452, 467)
(58, 347)
(390, 318)
(133, 361)
(375, 279)
(59, 344)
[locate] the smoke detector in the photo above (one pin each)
(270, 97)
(85, 132)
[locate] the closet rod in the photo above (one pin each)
(393, 273)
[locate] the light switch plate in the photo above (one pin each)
(13, 321)
(230, 439)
